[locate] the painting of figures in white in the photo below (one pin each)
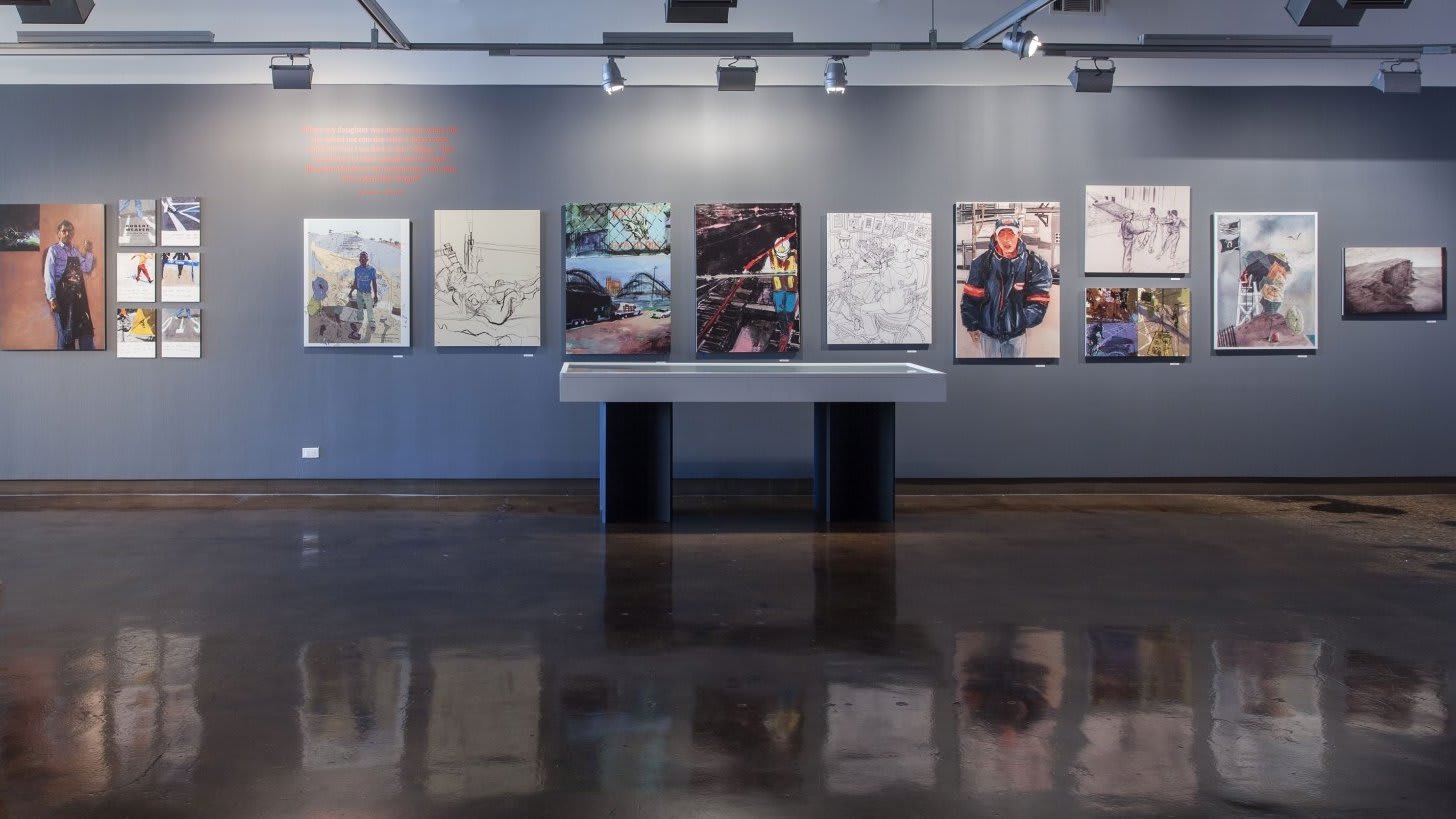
(181, 332)
(487, 278)
(136, 222)
(878, 278)
(356, 282)
(181, 221)
(181, 273)
(135, 277)
(1138, 229)
(1266, 281)
(136, 333)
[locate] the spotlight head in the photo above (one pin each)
(1093, 79)
(836, 76)
(1021, 42)
(291, 77)
(612, 80)
(1391, 79)
(734, 77)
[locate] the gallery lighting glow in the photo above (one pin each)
(1021, 42)
(836, 76)
(612, 80)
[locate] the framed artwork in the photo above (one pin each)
(1008, 281)
(181, 221)
(136, 332)
(1137, 230)
(1395, 281)
(487, 278)
(1111, 326)
(64, 307)
(1266, 281)
(136, 222)
(356, 282)
(617, 278)
(181, 332)
(748, 278)
(877, 279)
(1164, 316)
(181, 272)
(136, 276)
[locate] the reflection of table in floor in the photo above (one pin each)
(854, 426)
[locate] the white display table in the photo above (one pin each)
(854, 425)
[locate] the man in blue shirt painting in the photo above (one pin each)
(365, 292)
(65, 272)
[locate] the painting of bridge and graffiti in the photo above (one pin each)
(1266, 281)
(1137, 229)
(356, 282)
(1395, 281)
(618, 278)
(878, 278)
(748, 278)
(487, 278)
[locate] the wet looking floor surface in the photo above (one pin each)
(1017, 656)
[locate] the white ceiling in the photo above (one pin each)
(584, 21)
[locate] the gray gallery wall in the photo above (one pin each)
(1373, 401)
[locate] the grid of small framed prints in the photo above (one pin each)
(159, 278)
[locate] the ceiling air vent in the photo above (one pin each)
(1078, 6)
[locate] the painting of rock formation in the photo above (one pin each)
(1395, 281)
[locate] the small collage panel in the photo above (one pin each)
(173, 328)
(1142, 322)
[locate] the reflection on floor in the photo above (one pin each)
(1055, 657)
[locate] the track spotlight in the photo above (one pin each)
(1094, 79)
(735, 77)
(612, 80)
(836, 76)
(291, 76)
(1392, 79)
(1021, 42)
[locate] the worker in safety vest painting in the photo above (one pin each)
(783, 266)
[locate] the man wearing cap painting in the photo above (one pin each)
(1007, 292)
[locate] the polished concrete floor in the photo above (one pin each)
(993, 656)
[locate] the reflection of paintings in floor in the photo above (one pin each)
(181, 332)
(136, 222)
(747, 738)
(1009, 683)
(487, 278)
(618, 278)
(1138, 756)
(1137, 229)
(1395, 281)
(1111, 331)
(356, 282)
(1163, 316)
(181, 275)
(879, 738)
(748, 278)
(617, 734)
(62, 307)
(136, 276)
(1266, 281)
(181, 221)
(483, 732)
(878, 281)
(352, 714)
(136, 333)
(1391, 697)
(1007, 281)
(1268, 739)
